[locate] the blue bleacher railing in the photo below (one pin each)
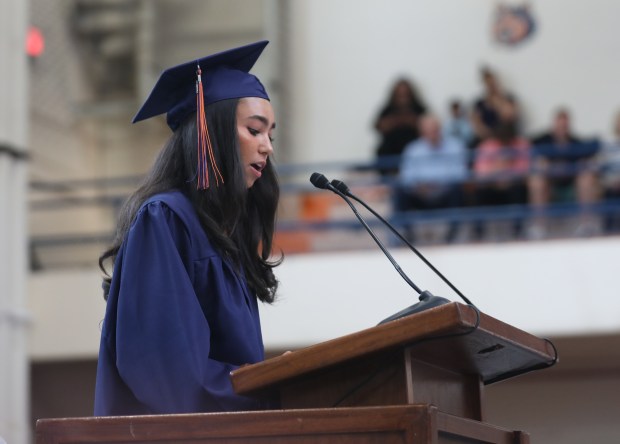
(109, 194)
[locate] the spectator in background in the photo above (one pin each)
(500, 169)
(494, 109)
(609, 163)
(458, 125)
(432, 170)
(397, 124)
(563, 169)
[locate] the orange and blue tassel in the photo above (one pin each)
(206, 157)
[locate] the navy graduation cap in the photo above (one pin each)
(225, 76)
(189, 87)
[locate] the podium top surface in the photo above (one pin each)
(453, 336)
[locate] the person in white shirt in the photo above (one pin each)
(432, 171)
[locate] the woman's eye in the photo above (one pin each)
(253, 131)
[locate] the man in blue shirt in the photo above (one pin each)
(563, 169)
(431, 173)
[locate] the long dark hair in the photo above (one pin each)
(240, 222)
(415, 100)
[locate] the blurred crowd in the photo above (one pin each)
(479, 156)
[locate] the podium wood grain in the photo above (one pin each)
(418, 424)
(418, 380)
(434, 357)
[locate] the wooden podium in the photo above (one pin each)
(418, 379)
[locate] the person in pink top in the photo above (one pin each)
(500, 167)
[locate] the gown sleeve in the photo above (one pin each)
(162, 337)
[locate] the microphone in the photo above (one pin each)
(320, 181)
(427, 300)
(344, 189)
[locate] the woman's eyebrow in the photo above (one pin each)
(263, 119)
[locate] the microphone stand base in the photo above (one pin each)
(427, 300)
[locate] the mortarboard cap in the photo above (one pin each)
(224, 76)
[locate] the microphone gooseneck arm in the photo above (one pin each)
(320, 181)
(344, 189)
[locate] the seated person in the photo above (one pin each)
(458, 125)
(431, 172)
(609, 169)
(563, 168)
(500, 167)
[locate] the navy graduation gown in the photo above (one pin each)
(179, 319)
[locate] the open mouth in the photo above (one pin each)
(258, 166)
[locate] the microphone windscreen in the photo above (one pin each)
(341, 186)
(319, 180)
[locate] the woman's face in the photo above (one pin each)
(402, 94)
(255, 127)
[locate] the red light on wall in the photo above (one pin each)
(35, 42)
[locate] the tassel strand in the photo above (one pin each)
(206, 156)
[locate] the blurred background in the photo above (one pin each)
(500, 160)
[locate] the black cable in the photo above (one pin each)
(320, 181)
(402, 238)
